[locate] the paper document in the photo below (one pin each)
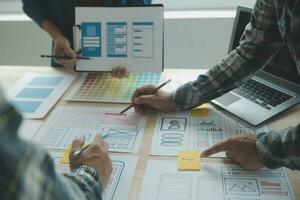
(28, 128)
(129, 36)
(215, 181)
(180, 131)
(121, 178)
(35, 94)
(123, 133)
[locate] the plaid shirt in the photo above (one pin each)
(274, 23)
(27, 171)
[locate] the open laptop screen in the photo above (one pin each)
(282, 66)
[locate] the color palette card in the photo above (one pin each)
(103, 87)
(35, 94)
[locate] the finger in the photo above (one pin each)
(98, 139)
(77, 144)
(123, 71)
(146, 99)
(67, 63)
(105, 146)
(67, 50)
(119, 72)
(221, 146)
(147, 89)
(113, 72)
(228, 154)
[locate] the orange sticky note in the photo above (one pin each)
(201, 111)
(189, 160)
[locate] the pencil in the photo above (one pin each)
(156, 89)
(87, 146)
(65, 57)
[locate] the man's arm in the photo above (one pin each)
(260, 42)
(273, 149)
(280, 148)
(36, 10)
(27, 171)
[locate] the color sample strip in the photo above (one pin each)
(26, 106)
(45, 81)
(35, 93)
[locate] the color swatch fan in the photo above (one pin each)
(105, 88)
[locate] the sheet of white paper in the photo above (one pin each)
(215, 181)
(28, 128)
(35, 94)
(121, 36)
(123, 133)
(181, 131)
(121, 178)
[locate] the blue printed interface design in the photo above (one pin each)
(91, 39)
(45, 81)
(26, 106)
(36, 93)
(117, 39)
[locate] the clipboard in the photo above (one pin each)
(119, 36)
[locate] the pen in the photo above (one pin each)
(156, 89)
(78, 153)
(65, 57)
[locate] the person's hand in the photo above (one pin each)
(62, 48)
(119, 72)
(240, 149)
(96, 156)
(147, 98)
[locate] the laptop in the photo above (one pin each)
(270, 91)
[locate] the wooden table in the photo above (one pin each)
(9, 74)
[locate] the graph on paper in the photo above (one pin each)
(121, 177)
(214, 181)
(123, 133)
(105, 88)
(183, 131)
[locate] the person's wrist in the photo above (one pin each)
(88, 171)
(173, 102)
(259, 153)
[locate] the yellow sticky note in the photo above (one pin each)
(189, 160)
(201, 111)
(65, 158)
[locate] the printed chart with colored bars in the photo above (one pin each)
(102, 87)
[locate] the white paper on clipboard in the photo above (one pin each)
(126, 36)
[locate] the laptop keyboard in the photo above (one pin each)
(261, 94)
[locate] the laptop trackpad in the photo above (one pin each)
(228, 99)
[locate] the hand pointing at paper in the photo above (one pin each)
(240, 149)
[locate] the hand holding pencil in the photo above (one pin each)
(152, 98)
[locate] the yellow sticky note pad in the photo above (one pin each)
(201, 111)
(189, 160)
(65, 158)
